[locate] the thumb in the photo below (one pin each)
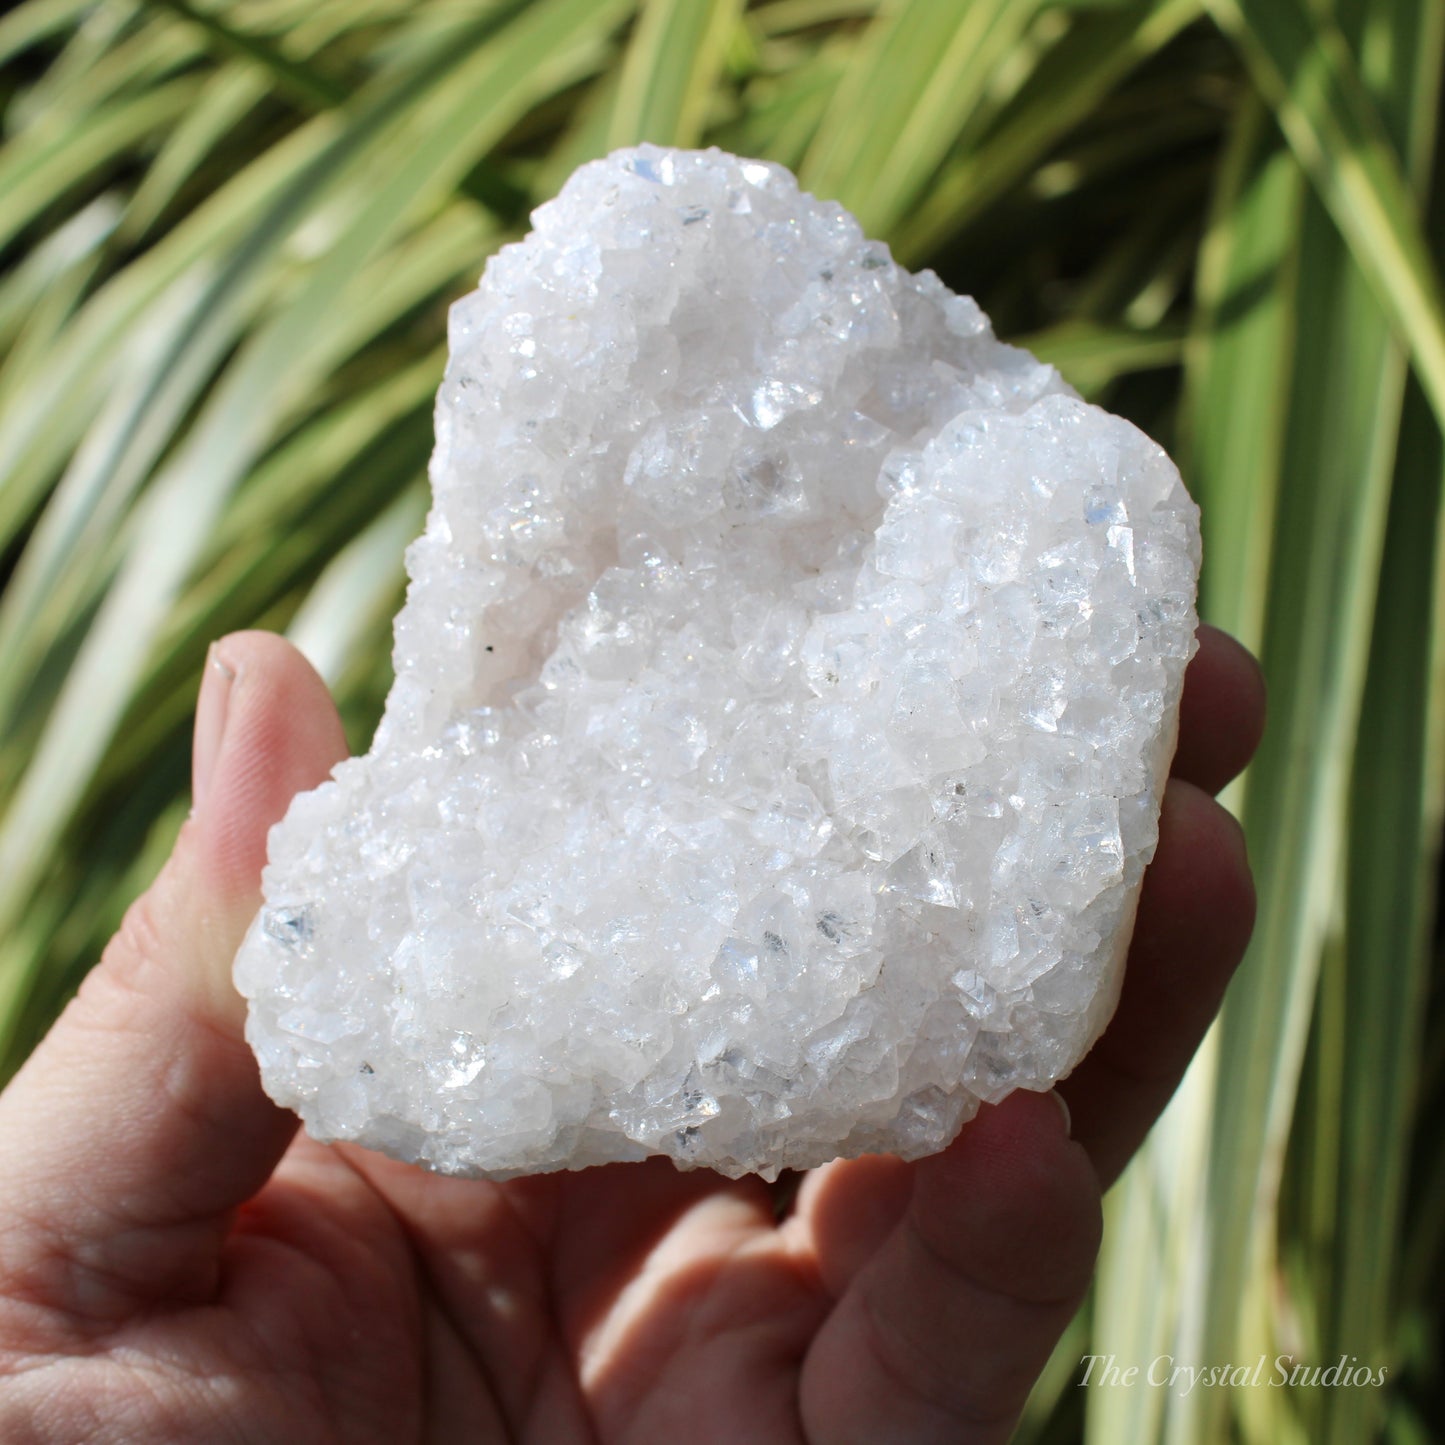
(139, 1124)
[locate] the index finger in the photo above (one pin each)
(1221, 714)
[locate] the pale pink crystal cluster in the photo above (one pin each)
(784, 696)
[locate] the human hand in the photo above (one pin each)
(177, 1263)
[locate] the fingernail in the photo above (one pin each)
(217, 681)
(1058, 1098)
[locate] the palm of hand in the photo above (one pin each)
(628, 1303)
(163, 1277)
(358, 1299)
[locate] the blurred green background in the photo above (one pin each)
(230, 232)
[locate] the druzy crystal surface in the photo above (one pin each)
(783, 699)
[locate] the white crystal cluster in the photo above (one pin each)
(784, 696)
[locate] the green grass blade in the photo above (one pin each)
(348, 603)
(40, 295)
(306, 84)
(258, 580)
(585, 138)
(1238, 375)
(46, 413)
(782, 17)
(43, 167)
(672, 65)
(28, 24)
(458, 133)
(1337, 467)
(1092, 356)
(1395, 818)
(298, 479)
(65, 566)
(230, 95)
(1393, 834)
(1070, 79)
(1329, 527)
(117, 54)
(782, 113)
(444, 127)
(1303, 64)
(1239, 368)
(64, 563)
(1151, 1261)
(918, 76)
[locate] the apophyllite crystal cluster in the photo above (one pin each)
(783, 700)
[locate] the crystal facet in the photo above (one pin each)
(783, 700)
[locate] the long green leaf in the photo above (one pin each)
(38, 171)
(307, 84)
(1091, 356)
(782, 16)
(1302, 62)
(114, 56)
(443, 129)
(783, 114)
(1239, 370)
(1070, 78)
(1151, 1261)
(1339, 456)
(229, 96)
(44, 414)
(346, 604)
(1395, 817)
(1329, 526)
(672, 65)
(918, 76)
(63, 565)
(1393, 855)
(38, 297)
(27, 25)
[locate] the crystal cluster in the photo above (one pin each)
(783, 699)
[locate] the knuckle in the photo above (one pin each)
(929, 1371)
(139, 944)
(132, 973)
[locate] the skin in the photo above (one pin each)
(177, 1263)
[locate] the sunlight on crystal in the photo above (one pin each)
(784, 694)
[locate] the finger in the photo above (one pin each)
(940, 1336)
(140, 1117)
(1195, 917)
(846, 1210)
(1221, 715)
